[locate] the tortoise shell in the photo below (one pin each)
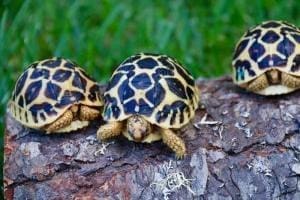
(154, 86)
(47, 88)
(270, 45)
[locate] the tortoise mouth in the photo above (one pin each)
(138, 135)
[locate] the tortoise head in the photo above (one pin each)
(138, 128)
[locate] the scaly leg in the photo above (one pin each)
(87, 113)
(259, 83)
(174, 142)
(290, 81)
(109, 130)
(61, 122)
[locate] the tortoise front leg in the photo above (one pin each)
(112, 129)
(258, 84)
(174, 142)
(87, 113)
(63, 121)
(290, 81)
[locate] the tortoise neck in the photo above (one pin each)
(273, 76)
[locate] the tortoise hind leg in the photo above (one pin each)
(258, 84)
(109, 130)
(290, 81)
(63, 121)
(87, 113)
(174, 142)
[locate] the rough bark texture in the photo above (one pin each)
(250, 152)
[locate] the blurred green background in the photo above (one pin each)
(98, 35)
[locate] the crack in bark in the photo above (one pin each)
(233, 182)
(220, 180)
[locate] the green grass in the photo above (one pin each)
(100, 34)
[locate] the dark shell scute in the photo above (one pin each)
(156, 94)
(21, 101)
(39, 108)
(43, 117)
(124, 91)
(94, 93)
(185, 74)
(271, 24)
(164, 72)
(37, 73)
(286, 47)
(165, 62)
(61, 75)
(126, 68)
(147, 63)
(141, 81)
(33, 91)
(190, 93)
(21, 82)
(270, 37)
(112, 109)
(181, 106)
(161, 72)
(173, 117)
(79, 82)
(253, 33)
(240, 48)
(177, 107)
(256, 51)
(52, 63)
(132, 59)
(69, 65)
(176, 87)
(26, 116)
(241, 66)
(114, 81)
(52, 90)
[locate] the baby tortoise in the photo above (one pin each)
(55, 95)
(149, 96)
(267, 59)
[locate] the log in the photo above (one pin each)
(240, 146)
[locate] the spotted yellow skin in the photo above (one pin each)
(46, 91)
(273, 47)
(158, 92)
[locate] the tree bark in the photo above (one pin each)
(247, 148)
